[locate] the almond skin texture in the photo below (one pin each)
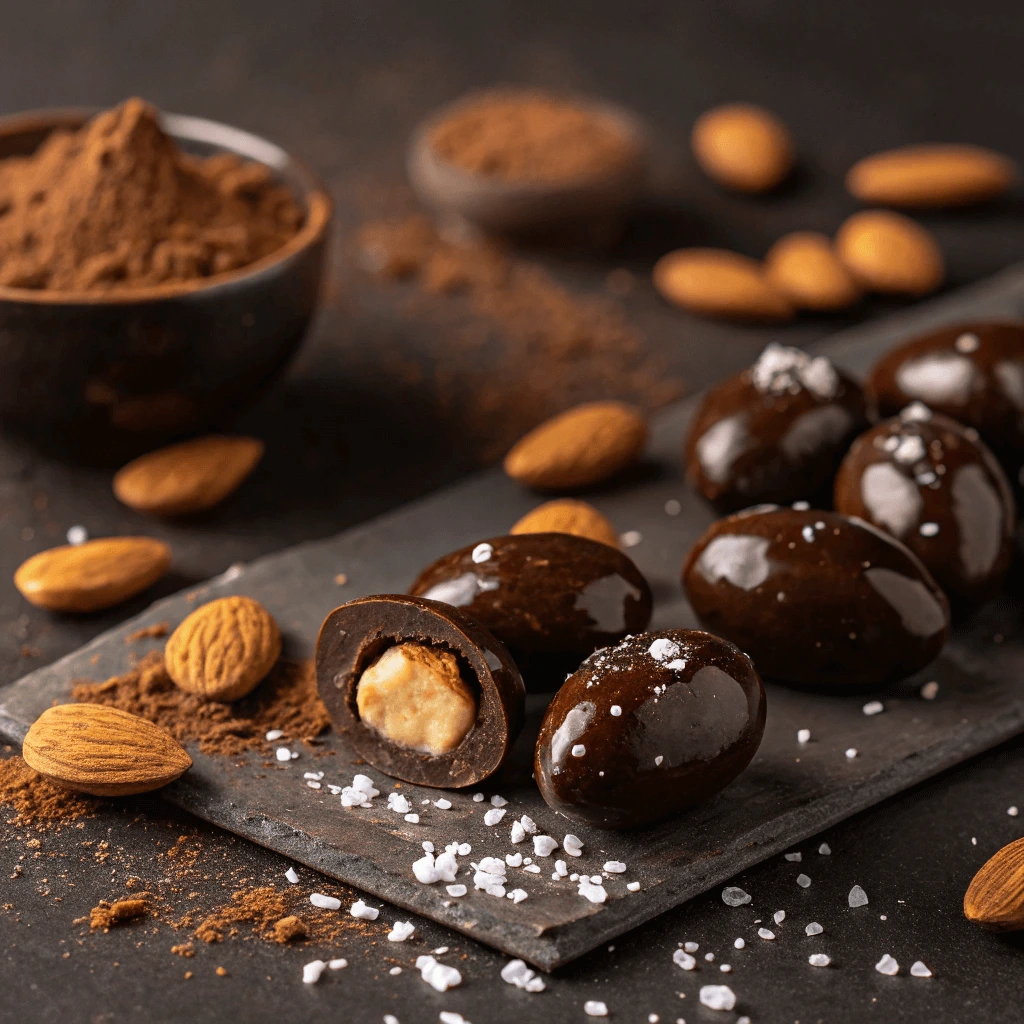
(569, 516)
(890, 253)
(995, 897)
(92, 576)
(579, 447)
(223, 649)
(805, 268)
(104, 751)
(721, 284)
(931, 176)
(188, 477)
(743, 147)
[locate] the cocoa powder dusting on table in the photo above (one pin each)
(287, 699)
(116, 205)
(106, 915)
(37, 801)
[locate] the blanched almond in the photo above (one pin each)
(931, 175)
(579, 447)
(719, 283)
(805, 267)
(92, 576)
(566, 515)
(888, 252)
(743, 147)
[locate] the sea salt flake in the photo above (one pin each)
(818, 960)
(312, 784)
(561, 868)
(683, 959)
(615, 710)
(658, 760)
(858, 897)
(595, 1008)
(398, 803)
(532, 868)
(482, 553)
(394, 970)
(456, 890)
(513, 860)
(717, 997)
(591, 891)
(851, 753)
(916, 412)
(803, 881)
(779, 916)
(338, 964)
(363, 912)
(517, 896)
(572, 845)
(1012, 811)
(494, 815)
(930, 690)
(77, 535)
(873, 707)
(633, 886)
(438, 976)
(443, 804)
(515, 972)
(764, 933)
(498, 801)
(813, 929)
(451, 1017)
(794, 858)
(518, 833)
(615, 867)
(825, 850)
(803, 736)
(733, 896)
(928, 529)
(292, 875)
(887, 965)
(283, 754)
(663, 649)
(739, 943)
(544, 846)
(691, 947)
(578, 750)
(478, 798)
(400, 931)
(920, 970)
(413, 819)
(528, 824)
(709, 957)
(274, 734)
(318, 899)
(311, 972)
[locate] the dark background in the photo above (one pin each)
(341, 85)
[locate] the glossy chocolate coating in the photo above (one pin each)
(816, 598)
(356, 634)
(549, 597)
(665, 720)
(769, 437)
(933, 484)
(973, 372)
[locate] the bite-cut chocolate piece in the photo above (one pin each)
(934, 485)
(775, 432)
(817, 598)
(642, 730)
(551, 598)
(421, 690)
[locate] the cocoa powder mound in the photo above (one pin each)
(116, 205)
(106, 915)
(36, 800)
(287, 699)
(524, 135)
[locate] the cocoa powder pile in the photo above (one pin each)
(287, 699)
(37, 801)
(116, 205)
(523, 135)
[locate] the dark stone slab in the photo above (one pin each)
(789, 792)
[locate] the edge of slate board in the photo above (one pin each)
(280, 575)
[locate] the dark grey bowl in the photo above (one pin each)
(103, 377)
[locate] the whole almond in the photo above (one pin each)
(995, 897)
(742, 147)
(579, 447)
(719, 283)
(931, 175)
(223, 649)
(566, 515)
(92, 576)
(805, 268)
(188, 477)
(104, 751)
(888, 252)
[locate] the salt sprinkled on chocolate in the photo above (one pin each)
(781, 369)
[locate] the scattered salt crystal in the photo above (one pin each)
(362, 911)
(818, 960)
(691, 947)
(615, 710)
(443, 804)
(456, 890)
(920, 970)
(413, 819)
(544, 846)
(498, 801)
(813, 929)
(425, 870)
(428, 846)
(561, 868)
(930, 690)
(633, 886)
(518, 832)
(658, 760)
(394, 970)
(494, 815)
(709, 957)
(518, 895)
(887, 965)
(764, 933)
(572, 845)
(283, 754)
(390, 1018)
(717, 997)
(591, 891)
(631, 538)
(794, 858)
(533, 868)
(578, 750)
(683, 959)
(274, 734)
(398, 803)
(739, 943)
(400, 931)
(673, 507)
(928, 530)
(318, 899)
(528, 824)
(595, 1008)
(515, 972)
(615, 867)
(313, 775)
(77, 535)
(478, 798)
(858, 897)
(725, 968)
(825, 850)
(336, 965)
(292, 875)
(312, 784)
(873, 707)
(482, 553)
(440, 951)
(311, 972)
(438, 976)
(513, 860)
(851, 753)
(779, 916)
(803, 881)
(1012, 811)
(663, 649)
(451, 1017)
(733, 896)
(803, 735)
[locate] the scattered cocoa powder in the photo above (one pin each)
(288, 928)
(527, 135)
(116, 205)
(287, 699)
(36, 800)
(155, 632)
(106, 915)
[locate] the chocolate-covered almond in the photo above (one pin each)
(775, 432)
(973, 372)
(649, 727)
(934, 485)
(551, 598)
(422, 691)
(816, 598)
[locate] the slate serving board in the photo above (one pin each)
(789, 792)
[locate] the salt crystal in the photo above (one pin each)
(633, 886)
(336, 965)
(764, 933)
(561, 868)
(717, 997)
(1012, 811)
(578, 750)
(394, 970)
(779, 916)
(283, 754)
(494, 815)
(390, 1018)
(873, 707)
(77, 535)
(398, 803)
(813, 929)
(592, 892)
(572, 845)
(425, 870)
(518, 832)
(739, 943)
(967, 342)
(311, 972)
(673, 507)
(658, 760)
(615, 867)
(803, 735)
(456, 890)
(794, 858)
(930, 690)
(498, 801)
(733, 896)
(274, 734)
(482, 553)
(513, 860)
(544, 846)
(451, 1017)
(518, 895)
(615, 710)
(443, 805)
(528, 824)
(438, 976)
(400, 931)
(413, 819)
(631, 538)
(920, 970)
(725, 968)
(683, 959)
(858, 897)
(362, 911)
(478, 798)
(318, 899)
(691, 947)
(595, 1008)
(663, 649)
(887, 965)
(533, 868)
(851, 753)
(818, 960)
(292, 875)
(709, 957)
(515, 972)
(825, 850)
(803, 881)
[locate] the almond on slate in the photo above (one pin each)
(104, 751)
(931, 175)
(579, 447)
(719, 283)
(888, 252)
(742, 147)
(223, 649)
(804, 266)
(188, 477)
(567, 515)
(92, 576)
(995, 897)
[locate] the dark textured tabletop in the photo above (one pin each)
(348, 435)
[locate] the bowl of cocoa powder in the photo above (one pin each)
(157, 272)
(515, 161)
